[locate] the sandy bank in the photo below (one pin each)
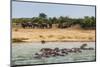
(31, 35)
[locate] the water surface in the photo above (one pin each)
(23, 53)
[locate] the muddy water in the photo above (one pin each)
(23, 53)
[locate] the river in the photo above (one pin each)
(22, 53)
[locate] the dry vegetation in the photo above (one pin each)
(70, 34)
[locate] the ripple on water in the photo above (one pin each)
(23, 53)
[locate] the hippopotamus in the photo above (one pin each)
(45, 49)
(48, 52)
(83, 46)
(38, 56)
(75, 50)
(42, 41)
(56, 49)
(64, 51)
(90, 48)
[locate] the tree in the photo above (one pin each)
(42, 15)
(77, 21)
(93, 21)
(54, 20)
(61, 19)
(35, 20)
(88, 22)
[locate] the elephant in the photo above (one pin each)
(29, 24)
(35, 25)
(39, 25)
(64, 25)
(44, 25)
(49, 25)
(26, 24)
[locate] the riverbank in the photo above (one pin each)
(34, 35)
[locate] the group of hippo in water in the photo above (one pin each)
(48, 52)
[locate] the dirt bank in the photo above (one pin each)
(31, 35)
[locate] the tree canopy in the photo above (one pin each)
(86, 22)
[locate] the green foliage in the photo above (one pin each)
(20, 20)
(86, 22)
(42, 15)
(54, 20)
